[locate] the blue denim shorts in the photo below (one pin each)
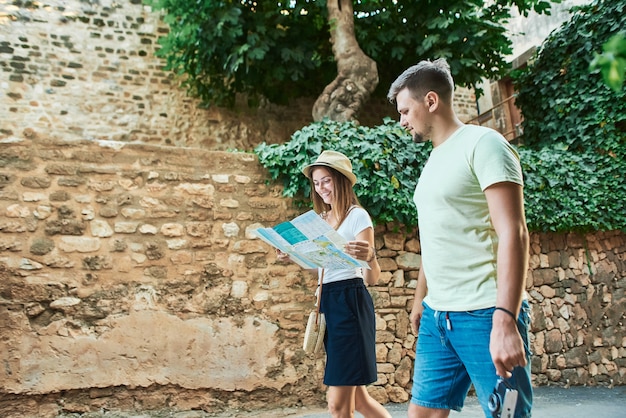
(453, 353)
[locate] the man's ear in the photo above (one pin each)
(432, 101)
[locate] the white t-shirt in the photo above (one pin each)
(357, 220)
(459, 243)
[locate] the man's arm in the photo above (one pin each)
(420, 293)
(506, 208)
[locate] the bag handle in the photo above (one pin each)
(319, 299)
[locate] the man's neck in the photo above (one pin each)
(445, 130)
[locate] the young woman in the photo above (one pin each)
(350, 340)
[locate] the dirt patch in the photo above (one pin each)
(294, 412)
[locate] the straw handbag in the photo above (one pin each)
(315, 326)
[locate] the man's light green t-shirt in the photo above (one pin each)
(458, 240)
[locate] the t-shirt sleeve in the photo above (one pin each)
(496, 161)
(360, 220)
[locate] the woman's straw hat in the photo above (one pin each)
(333, 159)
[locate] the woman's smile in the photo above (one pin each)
(323, 183)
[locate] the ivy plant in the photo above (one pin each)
(575, 126)
(568, 191)
(564, 191)
(574, 143)
(612, 61)
(384, 158)
(562, 102)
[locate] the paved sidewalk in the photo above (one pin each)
(550, 402)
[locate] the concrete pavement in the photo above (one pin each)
(550, 402)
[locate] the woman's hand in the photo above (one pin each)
(361, 250)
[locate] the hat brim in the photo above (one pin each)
(348, 174)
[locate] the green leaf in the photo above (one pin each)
(282, 50)
(385, 160)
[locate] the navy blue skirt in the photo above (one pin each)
(350, 340)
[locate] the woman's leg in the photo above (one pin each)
(341, 401)
(368, 406)
(416, 411)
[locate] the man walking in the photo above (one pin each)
(469, 307)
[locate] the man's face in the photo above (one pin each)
(414, 115)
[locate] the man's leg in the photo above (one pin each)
(470, 336)
(440, 382)
(416, 411)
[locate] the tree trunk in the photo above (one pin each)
(357, 74)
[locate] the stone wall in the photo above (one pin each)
(131, 278)
(87, 70)
(576, 287)
(75, 70)
(135, 267)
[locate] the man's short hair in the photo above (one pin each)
(423, 77)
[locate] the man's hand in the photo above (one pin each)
(416, 317)
(506, 345)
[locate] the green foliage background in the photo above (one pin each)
(282, 50)
(384, 158)
(612, 61)
(574, 152)
(564, 191)
(569, 191)
(223, 48)
(562, 102)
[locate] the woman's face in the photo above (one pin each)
(323, 183)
